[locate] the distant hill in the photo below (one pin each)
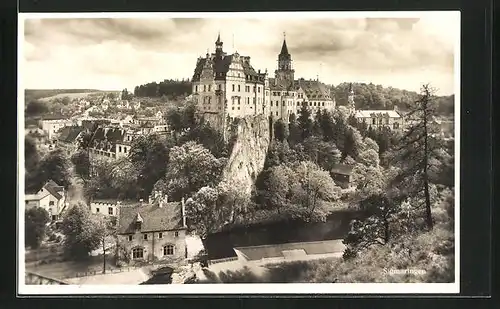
(371, 96)
(48, 94)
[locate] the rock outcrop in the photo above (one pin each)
(185, 274)
(249, 152)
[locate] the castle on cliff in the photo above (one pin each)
(227, 87)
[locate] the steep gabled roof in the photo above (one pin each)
(70, 133)
(54, 189)
(154, 218)
(314, 89)
(221, 65)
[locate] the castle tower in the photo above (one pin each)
(350, 100)
(285, 73)
(218, 47)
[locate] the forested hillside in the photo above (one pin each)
(371, 96)
(169, 88)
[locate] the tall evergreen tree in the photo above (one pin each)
(305, 122)
(294, 135)
(280, 130)
(418, 149)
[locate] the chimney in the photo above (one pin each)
(183, 209)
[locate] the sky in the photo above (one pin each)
(116, 53)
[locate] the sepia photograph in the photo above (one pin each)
(273, 152)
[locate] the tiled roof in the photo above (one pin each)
(342, 169)
(70, 133)
(314, 89)
(221, 65)
(107, 137)
(377, 113)
(155, 218)
(54, 189)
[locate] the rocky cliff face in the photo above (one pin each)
(249, 153)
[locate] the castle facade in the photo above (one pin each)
(227, 87)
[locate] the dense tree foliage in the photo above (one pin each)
(149, 156)
(81, 163)
(82, 231)
(35, 222)
(55, 165)
(371, 96)
(36, 108)
(191, 167)
(168, 88)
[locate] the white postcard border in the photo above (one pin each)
(288, 288)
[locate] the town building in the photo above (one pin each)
(153, 230)
(50, 197)
(110, 142)
(52, 125)
(227, 86)
(341, 174)
(69, 137)
(108, 208)
(375, 119)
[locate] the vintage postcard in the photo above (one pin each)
(298, 152)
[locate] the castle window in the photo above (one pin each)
(373, 121)
(204, 87)
(271, 104)
(238, 108)
(209, 87)
(283, 103)
(51, 203)
(138, 253)
(395, 125)
(239, 100)
(258, 89)
(160, 235)
(119, 148)
(145, 236)
(130, 237)
(323, 104)
(276, 113)
(168, 250)
(310, 104)
(176, 234)
(220, 86)
(233, 108)
(196, 88)
(239, 89)
(110, 210)
(233, 87)
(97, 209)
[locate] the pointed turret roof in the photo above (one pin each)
(284, 48)
(218, 42)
